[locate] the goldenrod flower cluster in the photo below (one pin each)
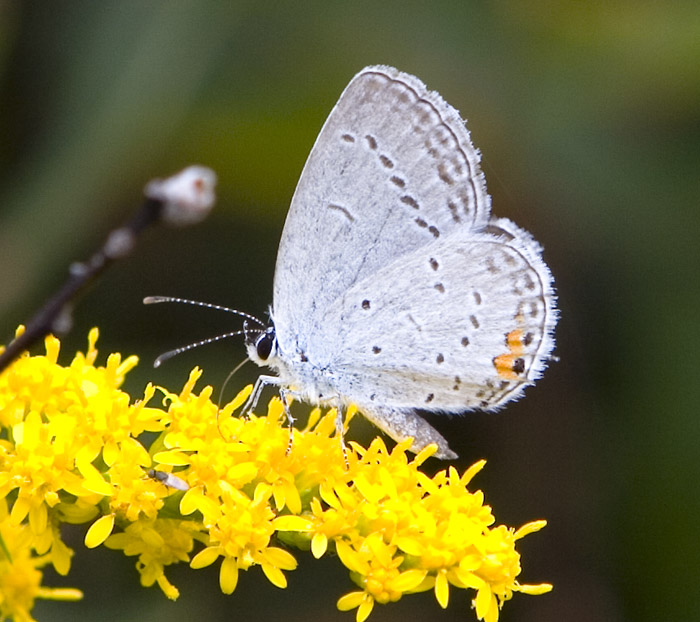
(218, 488)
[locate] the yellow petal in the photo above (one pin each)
(409, 580)
(484, 599)
(76, 514)
(350, 558)
(292, 523)
(60, 593)
(469, 579)
(292, 498)
(19, 511)
(189, 501)
(328, 495)
(278, 494)
(424, 454)
(472, 471)
(409, 544)
(93, 480)
(536, 590)
(99, 531)
(228, 575)
(368, 491)
(280, 558)
(60, 557)
(528, 528)
(172, 458)
(205, 557)
(442, 589)
(365, 609)
(350, 601)
(241, 398)
(319, 545)
(37, 518)
(110, 453)
(242, 473)
(275, 576)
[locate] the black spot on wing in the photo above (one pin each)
(342, 210)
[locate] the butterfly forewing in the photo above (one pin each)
(392, 169)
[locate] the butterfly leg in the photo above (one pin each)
(284, 394)
(260, 384)
(339, 417)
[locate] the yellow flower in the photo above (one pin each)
(158, 543)
(20, 574)
(214, 487)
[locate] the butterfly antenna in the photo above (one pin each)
(152, 300)
(190, 346)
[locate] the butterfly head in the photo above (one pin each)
(261, 345)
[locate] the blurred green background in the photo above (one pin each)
(588, 117)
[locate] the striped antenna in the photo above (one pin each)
(191, 346)
(152, 300)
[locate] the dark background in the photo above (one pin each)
(588, 117)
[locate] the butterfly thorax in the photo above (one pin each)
(307, 381)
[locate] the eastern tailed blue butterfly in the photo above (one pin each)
(395, 288)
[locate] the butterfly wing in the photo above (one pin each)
(464, 322)
(392, 169)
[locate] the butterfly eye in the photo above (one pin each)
(264, 343)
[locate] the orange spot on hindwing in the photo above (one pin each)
(511, 364)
